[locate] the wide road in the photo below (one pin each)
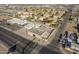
(54, 47)
(10, 39)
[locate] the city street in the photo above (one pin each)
(54, 47)
(11, 39)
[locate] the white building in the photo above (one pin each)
(17, 21)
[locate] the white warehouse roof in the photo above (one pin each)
(29, 26)
(17, 21)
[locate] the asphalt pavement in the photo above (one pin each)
(54, 47)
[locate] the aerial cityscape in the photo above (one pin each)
(39, 29)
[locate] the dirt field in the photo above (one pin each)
(70, 27)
